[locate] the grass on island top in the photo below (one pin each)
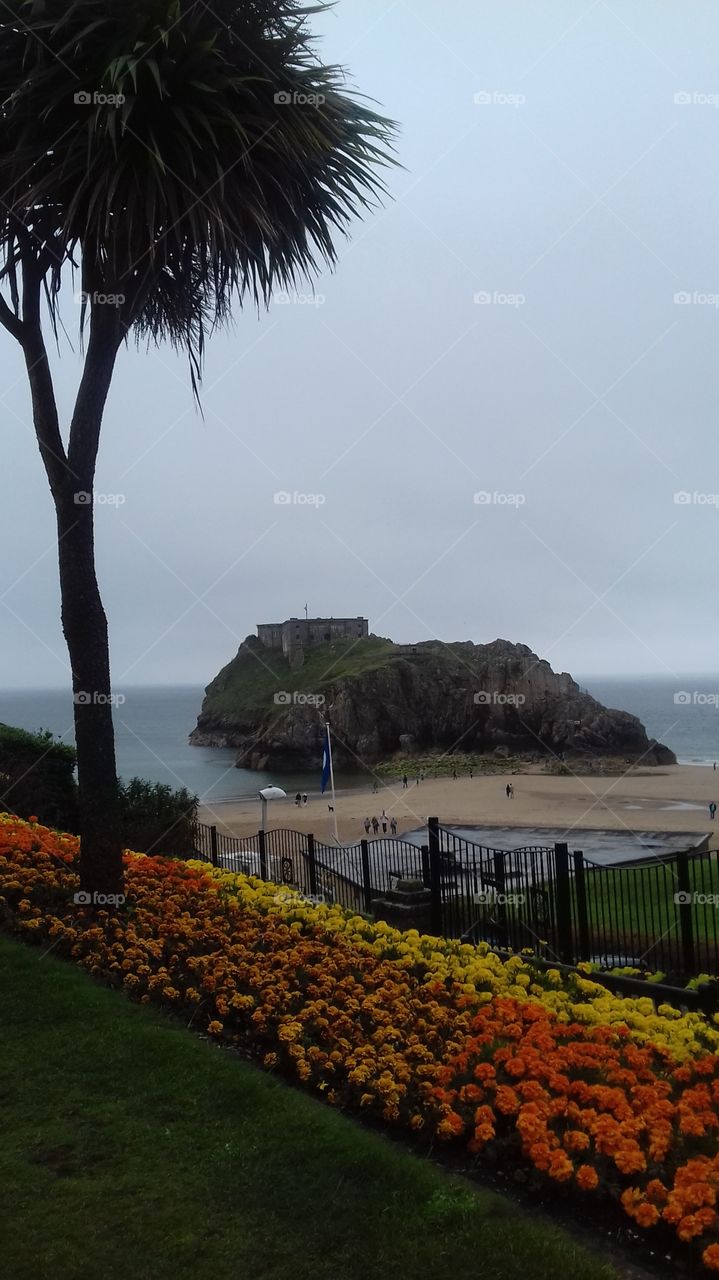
(249, 682)
(132, 1148)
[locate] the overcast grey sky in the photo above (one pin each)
(560, 160)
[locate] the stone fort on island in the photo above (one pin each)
(297, 634)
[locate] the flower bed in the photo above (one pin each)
(587, 1090)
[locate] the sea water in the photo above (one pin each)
(152, 727)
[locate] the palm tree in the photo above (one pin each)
(173, 157)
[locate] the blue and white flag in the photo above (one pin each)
(325, 761)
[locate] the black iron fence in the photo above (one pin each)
(352, 875)
(660, 913)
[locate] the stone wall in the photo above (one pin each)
(296, 634)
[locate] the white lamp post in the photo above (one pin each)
(269, 793)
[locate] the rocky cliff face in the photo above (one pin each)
(460, 697)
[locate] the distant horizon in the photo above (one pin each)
(579, 677)
(163, 715)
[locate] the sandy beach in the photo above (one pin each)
(673, 798)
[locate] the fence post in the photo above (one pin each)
(312, 865)
(435, 874)
(366, 876)
(426, 877)
(214, 859)
(582, 911)
(501, 889)
(263, 855)
(683, 899)
(565, 940)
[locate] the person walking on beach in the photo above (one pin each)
(298, 799)
(454, 774)
(712, 810)
(393, 826)
(384, 821)
(375, 788)
(508, 790)
(367, 825)
(511, 790)
(375, 825)
(304, 798)
(404, 782)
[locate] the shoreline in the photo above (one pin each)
(666, 798)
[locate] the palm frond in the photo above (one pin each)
(184, 153)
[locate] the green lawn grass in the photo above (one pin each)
(640, 900)
(631, 912)
(133, 1149)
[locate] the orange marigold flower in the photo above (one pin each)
(451, 1127)
(710, 1257)
(656, 1191)
(587, 1178)
(560, 1167)
(646, 1215)
(689, 1227)
(515, 1067)
(575, 1140)
(506, 1100)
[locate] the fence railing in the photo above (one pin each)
(352, 875)
(657, 914)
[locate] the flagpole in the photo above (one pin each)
(332, 778)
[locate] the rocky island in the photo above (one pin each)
(385, 699)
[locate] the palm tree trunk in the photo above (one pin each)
(71, 476)
(85, 628)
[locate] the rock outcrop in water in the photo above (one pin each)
(384, 698)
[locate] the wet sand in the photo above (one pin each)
(671, 798)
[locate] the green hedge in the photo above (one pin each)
(37, 777)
